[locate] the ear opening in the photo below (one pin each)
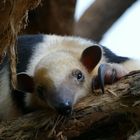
(25, 83)
(91, 57)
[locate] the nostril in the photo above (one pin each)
(67, 109)
(64, 108)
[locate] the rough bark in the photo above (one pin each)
(113, 115)
(99, 17)
(13, 13)
(53, 16)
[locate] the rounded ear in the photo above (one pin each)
(25, 82)
(91, 57)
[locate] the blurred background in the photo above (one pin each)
(115, 24)
(124, 35)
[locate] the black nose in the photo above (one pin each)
(64, 108)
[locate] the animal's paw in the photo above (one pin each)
(108, 74)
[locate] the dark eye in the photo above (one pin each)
(78, 75)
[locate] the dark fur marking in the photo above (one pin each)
(112, 57)
(26, 45)
(19, 100)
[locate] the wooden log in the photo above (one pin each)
(99, 17)
(114, 114)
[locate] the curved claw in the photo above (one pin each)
(101, 76)
(106, 75)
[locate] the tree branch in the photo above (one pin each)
(109, 115)
(13, 14)
(53, 16)
(99, 17)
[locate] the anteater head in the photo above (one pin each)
(61, 78)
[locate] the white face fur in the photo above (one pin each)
(62, 76)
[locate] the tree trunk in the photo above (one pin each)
(99, 17)
(52, 17)
(113, 115)
(13, 16)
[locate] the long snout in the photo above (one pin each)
(62, 101)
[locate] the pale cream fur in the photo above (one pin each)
(59, 56)
(132, 64)
(54, 43)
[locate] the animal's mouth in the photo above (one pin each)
(62, 107)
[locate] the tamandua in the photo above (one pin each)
(56, 71)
